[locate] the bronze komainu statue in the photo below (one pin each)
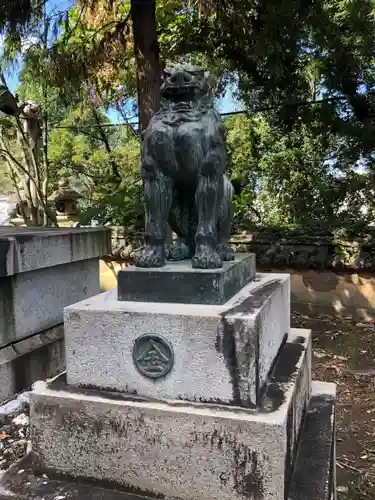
(183, 164)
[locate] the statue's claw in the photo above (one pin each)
(150, 256)
(206, 258)
(177, 251)
(225, 253)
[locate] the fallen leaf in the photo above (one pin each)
(341, 358)
(336, 368)
(320, 354)
(342, 489)
(4, 436)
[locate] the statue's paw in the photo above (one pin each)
(150, 256)
(178, 251)
(207, 259)
(225, 253)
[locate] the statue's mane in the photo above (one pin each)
(170, 112)
(205, 106)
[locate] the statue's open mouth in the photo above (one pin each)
(180, 92)
(183, 106)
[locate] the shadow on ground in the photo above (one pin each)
(344, 353)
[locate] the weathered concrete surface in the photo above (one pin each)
(178, 282)
(190, 451)
(314, 475)
(35, 358)
(222, 353)
(34, 301)
(25, 249)
(308, 483)
(41, 272)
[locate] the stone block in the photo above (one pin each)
(34, 301)
(221, 353)
(29, 249)
(308, 483)
(38, 357)
(178, 282)
(41, 272)
(314, 476)
(187, 451)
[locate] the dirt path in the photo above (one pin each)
(344, 353)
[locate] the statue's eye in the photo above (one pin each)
(197, 73)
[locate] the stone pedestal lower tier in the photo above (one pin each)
(37, 357)
(220, 354)
(180, 450)
(313, 477)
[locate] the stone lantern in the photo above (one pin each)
(20, 207)
(65, 199)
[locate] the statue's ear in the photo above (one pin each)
(209, 79)
(167, 71)
(163, 103)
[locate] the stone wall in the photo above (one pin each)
(320, 252)
(282, 249)
(328, 274)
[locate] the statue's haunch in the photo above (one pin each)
(183, 168)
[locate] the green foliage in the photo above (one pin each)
(81, 155)
(298, 165)
(6, 184)
(18, 16)
(289, 180)
(285, 53)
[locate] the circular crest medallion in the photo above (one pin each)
(153, 356)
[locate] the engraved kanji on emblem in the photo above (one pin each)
(153, 356)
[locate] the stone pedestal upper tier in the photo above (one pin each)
(178, 282)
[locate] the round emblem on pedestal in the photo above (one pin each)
(153, 356)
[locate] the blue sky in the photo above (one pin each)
(53, 8)
(224, 105)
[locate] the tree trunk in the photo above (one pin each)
(146, 49)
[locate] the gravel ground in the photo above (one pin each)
(14, 430)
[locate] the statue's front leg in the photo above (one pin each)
(158, 197)
(208, 196)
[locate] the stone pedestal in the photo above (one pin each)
(174, 448)
(221, 354)
(178, 282)
(186, 401)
